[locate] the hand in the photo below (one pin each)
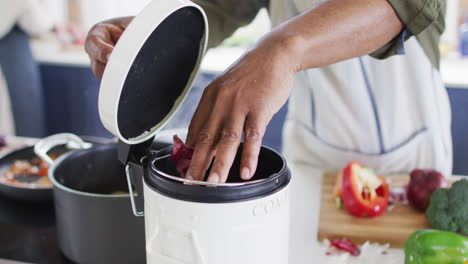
(240, 102)
(101, 40)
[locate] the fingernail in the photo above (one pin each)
(188, 175)
(245, 173)
(214, 178)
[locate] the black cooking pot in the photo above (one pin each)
(94, 224)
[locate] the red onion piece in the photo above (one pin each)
(2, 141)
(421, 186)
(398, 195)
(182, 155)
(346, 245)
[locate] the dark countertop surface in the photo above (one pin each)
(27, 232)
(27, 229)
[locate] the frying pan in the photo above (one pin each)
(27, 153)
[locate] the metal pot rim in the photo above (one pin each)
(57, 184)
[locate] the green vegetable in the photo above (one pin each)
(448, 209)
(436, 247)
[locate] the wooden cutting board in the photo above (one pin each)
(392, 227)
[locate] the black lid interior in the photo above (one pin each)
(271, 171)
(160, 72)
(95, 170)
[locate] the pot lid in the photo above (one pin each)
(152, 68)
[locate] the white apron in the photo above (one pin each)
(392, 115)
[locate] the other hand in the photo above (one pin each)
(101, 40)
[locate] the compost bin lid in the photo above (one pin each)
(152, 68)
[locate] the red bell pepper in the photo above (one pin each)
(363, 192)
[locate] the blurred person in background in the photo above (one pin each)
(22, 109)
(19, 20)
(7, 126)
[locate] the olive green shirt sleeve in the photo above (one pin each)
(424, 19)
(225, 16)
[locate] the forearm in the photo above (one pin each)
(334, 31)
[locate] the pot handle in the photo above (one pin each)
(43, 146)
(135, 179)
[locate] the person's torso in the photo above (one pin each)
(396, 109)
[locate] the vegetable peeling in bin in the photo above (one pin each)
(2, 141)
(182, 155)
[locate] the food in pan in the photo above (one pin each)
(27, 173)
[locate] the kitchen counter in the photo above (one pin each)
(453, 68)
(306, 185)
(28, 230)
(305, 212)
(48, 51)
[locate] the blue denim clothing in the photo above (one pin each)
(23, 79)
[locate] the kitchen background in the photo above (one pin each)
(70, 90)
